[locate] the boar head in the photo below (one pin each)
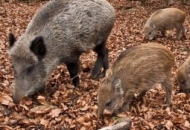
(29, 70)
(183, 78)
(150, 31)
(110, 95)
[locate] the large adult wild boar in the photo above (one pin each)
(165, 19)
(58, 33)
(183, 76)
(135, 71)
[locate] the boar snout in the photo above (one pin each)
(184, 88)
(16, 99)
(17, 96)
(183, 76)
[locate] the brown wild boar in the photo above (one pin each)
(165, 19)
(183, 76)
(134, 72)
(184, 1)
(58, 33)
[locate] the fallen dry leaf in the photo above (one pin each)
(41, 100)
(41, 109)
(54, 113)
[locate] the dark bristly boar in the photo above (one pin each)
(59, 32)
(165, 19)
(135, 71)
(183, 76)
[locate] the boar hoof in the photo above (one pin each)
(75, 81)
(94, 77)
(169, 103)
(102, 75)
(15, 100)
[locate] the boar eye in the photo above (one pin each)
(108, 103)
(29, 69)
(183, 82)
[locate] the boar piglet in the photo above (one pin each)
(183, 76)
(58, 33)
(165, 19)
(135, 71)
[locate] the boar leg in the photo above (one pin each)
(73, 71)
(163, 32)
(105, 63)
(179, 28)
(168, 88)
(102, 60)
(166, 3)
(183, 33)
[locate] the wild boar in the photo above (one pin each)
(135, 71)
(58, 33)
(165, 19)
(183, 76)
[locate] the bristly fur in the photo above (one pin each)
(67, 29)
(165, 19)
(138, 69)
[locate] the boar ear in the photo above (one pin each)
(38, 47)
(12, 40)
(118, 86)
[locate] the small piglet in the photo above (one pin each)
(135, 71)
(165, 19)
(58, 33)
(183, 76)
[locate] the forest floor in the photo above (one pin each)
(64, 107)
